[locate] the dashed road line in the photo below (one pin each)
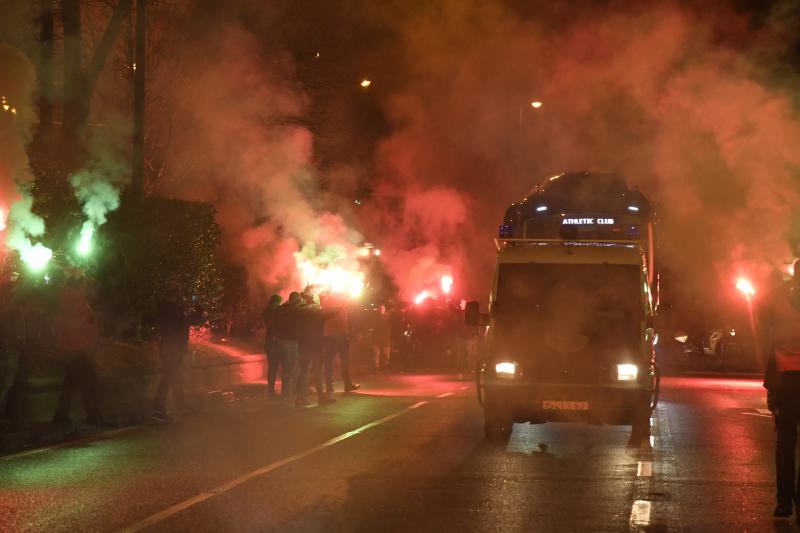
(758, 415)
(764, 412)
(203, 496)
(445, 395)
(74, 442)
(640, 514)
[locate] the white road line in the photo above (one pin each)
(445, 395)
(465, 387)
(764, 412)
(644, 469)
(181, 506)
(758, 415)
(75, 442)
(640, 514)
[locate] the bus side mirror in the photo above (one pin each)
(472, 314)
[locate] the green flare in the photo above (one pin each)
(84, 246)
(37, 257)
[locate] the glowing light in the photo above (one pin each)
(536, 104)
(336, 275)
(541, 208)
(366, 83)
(377, 252)
(633, 208)
(682, 338)
(421, 297)
(505, 369)
(447, 284)
(744, 286)
(84, 246)
(37, 257)
(627, 372)
(3, 219)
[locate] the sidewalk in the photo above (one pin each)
(129, 375)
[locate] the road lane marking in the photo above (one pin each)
(764, 412)
(465, 387)
(758, 415)
(203, 496)
(445, 395)
(640, 514)
(644, 469)
(74, 442)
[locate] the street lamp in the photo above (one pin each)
(535, 104)
(748, 290)
(366, 83)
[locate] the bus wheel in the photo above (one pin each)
(640, 428)
(497, 426)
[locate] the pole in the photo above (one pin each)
(139, 66)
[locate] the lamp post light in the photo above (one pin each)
(535, 104)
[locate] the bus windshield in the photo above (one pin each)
(569, 308)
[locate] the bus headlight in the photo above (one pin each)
(505, 369)
(627, 372)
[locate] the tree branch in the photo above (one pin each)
(121, 10)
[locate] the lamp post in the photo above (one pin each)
(535, 104)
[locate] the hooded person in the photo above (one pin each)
(274, 323)
(780, 334)
(76, 335)
(13, 341)
(174, 321)
(337, 343)
(311, 333)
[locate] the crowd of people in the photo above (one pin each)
(302, 340)
(60, 324)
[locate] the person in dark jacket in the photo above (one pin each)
(75, 329)
(274, 322)
(780, 333)
(337, 342)
(310, 319)
(174, 321)
(13, 340)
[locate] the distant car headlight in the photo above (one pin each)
(627, 372)
(505, 369)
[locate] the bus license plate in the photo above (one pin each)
(558, 405)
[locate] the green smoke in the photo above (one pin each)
(98, 197)
(23, 227)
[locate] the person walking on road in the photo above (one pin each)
(273, 348)
(337, 342)
(378, 338)
(311, 332)
(174, 321)
(780, 331)
(13, 340)
(75, 335)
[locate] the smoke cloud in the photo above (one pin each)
(97, 186)
(696, 107)
(242, 146)
(17, 118)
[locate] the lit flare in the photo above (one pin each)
(447, 284)
(744, 286)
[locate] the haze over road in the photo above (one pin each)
(408, 454)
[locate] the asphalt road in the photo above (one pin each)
(408, 454)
